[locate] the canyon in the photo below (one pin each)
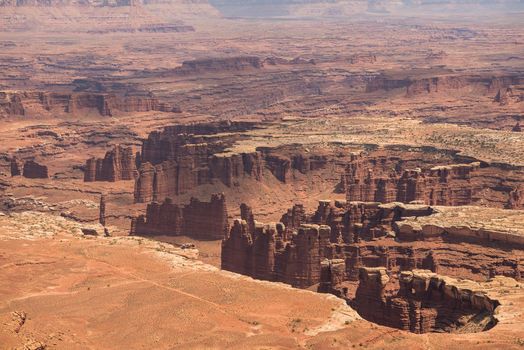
(300, 174)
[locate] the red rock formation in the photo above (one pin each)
(294, 217)
(386, 179)
(237, 249)
(102, 211)
(11, 104)
(365, 237)
(206, 220)
(33, 170)
(261, 254)
(502, 96)
(212, 65)
(425, 302)
(118, 164)
(16, 167)
(200, 220)
(179, 159)
(441, 82)
(516, 198)
(106, 104)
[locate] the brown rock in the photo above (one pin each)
(118, 164)
(200, 220)
(16, 167)
(33, 170)
(425, 302)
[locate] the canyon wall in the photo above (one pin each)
(33, 170)
(180, 158)
(226, 64)
(390, 178)
(29, 169)
(199, 220)
(425, 302)
(337, 240)
(24, 103)
(118, 164)
(442, 83)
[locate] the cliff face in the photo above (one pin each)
(33, 170)
(34, 102)
(214, 65)
(16, 167)
(332, 244)
(29, 169)
(425, 302)
(180, 158)
(442, 83)
(199, 220)
(388, 179)
(118, 164)
(263, 252)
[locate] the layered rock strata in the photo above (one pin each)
(118, 164)
(213, 65)
(16, 166)
(388, 178)
(22, 103)
(332, 244)
(439, 82)
(181, 158)
(33, 170)
(425, 302)
(199, 220)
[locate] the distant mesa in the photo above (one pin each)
(236, 63)
(23, 103)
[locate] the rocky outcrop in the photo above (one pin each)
(29, 169)
(118, 164)
(433, 82)
(217, 65)
(33, 170)
(483, 225)
(510, 95)
(102, 211)
(329, 246)
(106, 104)
(384, 180)
(16, 166)
(11, 104)
(180, 158)
(388, 179)
(262, 252)
(199, 220)
(425, 302)
(435, 85)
